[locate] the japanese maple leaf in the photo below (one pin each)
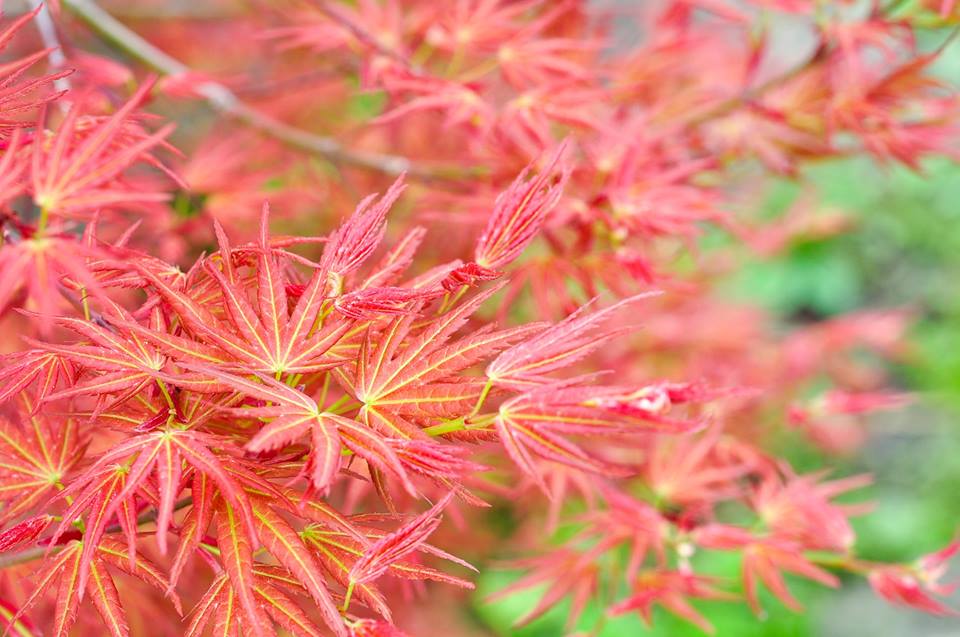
(15, 89)
(36, 454)
(221, 605)
(800, 508)
(460, 103)
(393, 547)
(77, 168)
(266, 338)
(529, 363)
(764, 559)
(670, 589)
(689, 471)
(124, 363)
(327, 26)
(566, 572)
(236, 555)
(406, 372)
(540, 423)
(520, 211)
(62, 573)
(537, 61)
(481, 25)
(915, 584)
(24, 532)
(38, 265)
(527, 120)
(110, 486)
(340, 550)
(283, 542)
(356, 239)
(44, 370)
(292, 414)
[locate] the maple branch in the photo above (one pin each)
(35, 552)
(22, 557)
(224, 100)
(733, 102)
(48, 34)
(364, 35)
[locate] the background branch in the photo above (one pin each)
(222, 99)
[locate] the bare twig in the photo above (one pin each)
(48, 34)
(226, 101)
(22, 557)
(724, 107)
(364, 35)
(36, 552)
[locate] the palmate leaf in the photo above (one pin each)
(565, 572)
(520, 211)
(537, 425)
(237, 559)
(67, 598)
(531, 362)
(283, 542)
(114, 553)
(285, 611)
(292, 414)
(19, 370)
(398, 383)
(387, 368)
(397, 259)
(353, 243)
(110, 487)
(63, 573)
(524, 440)
(207, 607)
(15, 88)
(765, 558)
(106, 598)
(395, 546)
(76, 170)
(25, 531)
(219, 605)
(36, 453)
(37, 265)
(120, 365)
(194, 525)
(265, 338)
(339, 552)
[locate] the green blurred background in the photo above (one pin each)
(904, 251)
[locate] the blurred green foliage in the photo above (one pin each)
(903, 252)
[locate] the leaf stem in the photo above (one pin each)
(483, 396)
(44, 219)
(166, 395)
(347, 597)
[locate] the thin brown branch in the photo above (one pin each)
(364, 35)
(36, 552)
(222, 99)
(22, 557)
(48, 34)
(726, 106)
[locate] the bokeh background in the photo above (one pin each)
(902, 252)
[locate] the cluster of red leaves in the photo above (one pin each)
(250, 437)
